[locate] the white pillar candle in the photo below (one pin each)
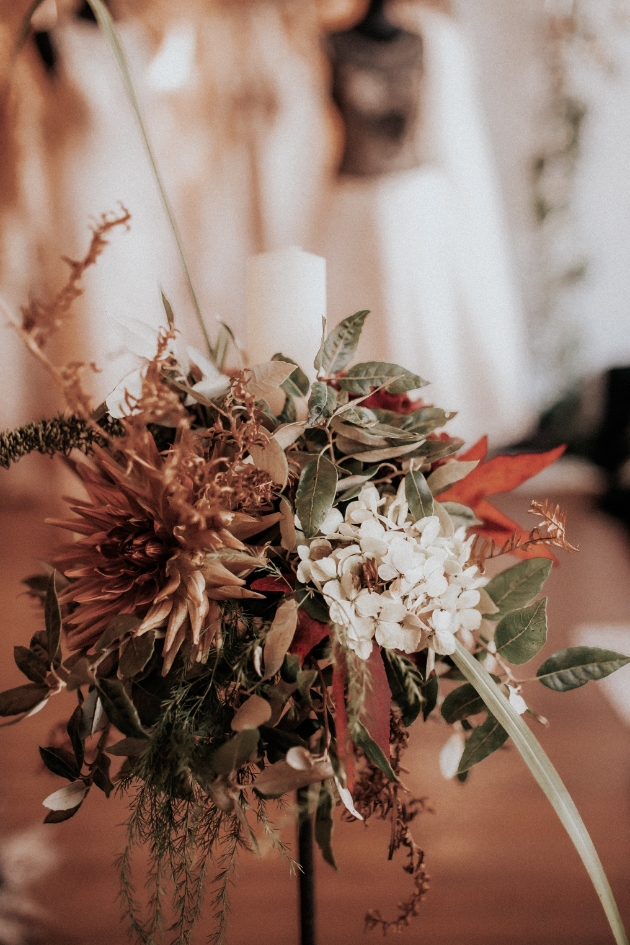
(286, 300)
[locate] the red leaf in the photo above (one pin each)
(478, 450)
(309, 633)
(274, 584)
(377, 702)
(499, 474)
(398, 403)
(344, 744)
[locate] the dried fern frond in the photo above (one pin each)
(552, 529)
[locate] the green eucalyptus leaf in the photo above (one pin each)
(60, 762)
(460, 703)
(364, 740)
(22, 698)
(297, 384)
(119, 708)
(577, 665)
(312, 603)
(363, 377)
(52, 618)
(234, 753)
(405, 683)
(136, 655)
(168, 309)
(483, 741)
(30, 664)
(418, 495)
(116, 629)
(74, 729)
(339, 347)
(518, 585)
(324, 824)
(100, 775)
(461, 515)
(522, 633)
(322, 402)
(129, 747)
(430, 691)
(315, 494)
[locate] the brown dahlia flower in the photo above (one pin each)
(157, 544)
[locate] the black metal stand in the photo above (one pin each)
(306, 880)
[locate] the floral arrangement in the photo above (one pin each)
(273, 580)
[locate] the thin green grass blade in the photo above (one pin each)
(548, 779)
(107, 25)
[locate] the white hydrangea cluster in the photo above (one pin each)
(385, 577)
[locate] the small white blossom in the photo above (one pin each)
(385, 577)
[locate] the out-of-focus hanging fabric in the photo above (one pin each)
(425, 249)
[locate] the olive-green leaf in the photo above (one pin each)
(461, 515)
(521, 633)
(60, 762)
(322, 403)
(430, 692)
(22, 698)
(52, 617)
(100, 775)
(30, 664)
(315, 494)
(405, 683)
(577, 665)
(460, 703)
(362, 738)
(338, 349)
(168, 308)
(363, 377)
(74, 728)
(235, 752)
(518, 585)
(418, 495)
(136, 655)
(116, 629)
(128, 747)
(483, 741)
(119, 708)
(324, 824)
(297, 384)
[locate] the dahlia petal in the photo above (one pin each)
(169, 588)
(155, 617)
(178, 615)
(169, 654)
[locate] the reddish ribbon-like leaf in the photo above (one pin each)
(309, 633)
(377, 702)
(344, 743)
(274, 585)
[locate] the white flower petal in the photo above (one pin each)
(443, 642)
(331, 523)
(451, 755)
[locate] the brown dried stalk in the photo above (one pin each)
(551, 531)
(375, 794)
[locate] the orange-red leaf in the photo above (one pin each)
(309, 633)
(478, 450)
(500, 527)
(344, 744)
(499, 474)
(377, 702)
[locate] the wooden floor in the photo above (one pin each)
(503, 872)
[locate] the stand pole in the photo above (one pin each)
(306, 880)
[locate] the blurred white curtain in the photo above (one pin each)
(426, 250)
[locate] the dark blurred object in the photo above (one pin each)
(47, 52)
(593, 420)
(377, 72)
(85, 12)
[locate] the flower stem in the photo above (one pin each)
(548, 779)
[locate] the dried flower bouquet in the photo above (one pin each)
(273, 580)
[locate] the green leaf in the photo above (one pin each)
(100, 775)
(405, 682)
(74, 729)
(22, 698)
(324, 824)
(116, 629)
(430, 692)
(58, 816)
(362, 738)
(338, 349)
(129, 747)
(483, 741)
(518, 585)
(422, 421)
(119, 708)
(577, 665)
(60, 762)
(52, 618)
(315, 494)
(30, 664)
(462, 515)
(322, 403)
(548, 779)
(297, 384)
(522, 633)
(363, 377)
(460, 703)
(136, 655)
(418, 495)
(312, 603)
(235, 752)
